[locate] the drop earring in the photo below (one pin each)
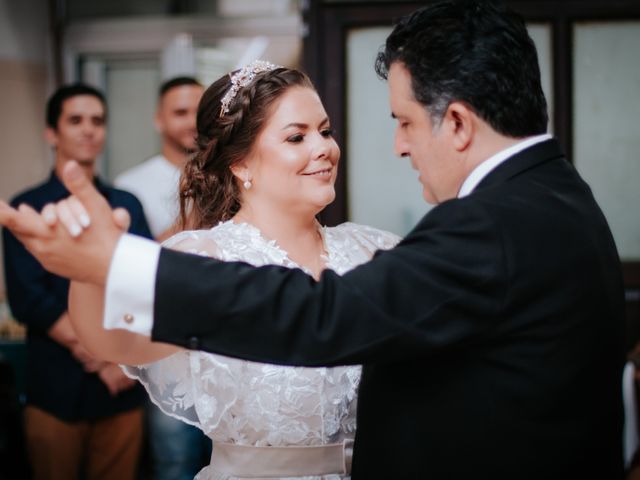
(247, 183)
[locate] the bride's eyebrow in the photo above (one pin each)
(324, 122)
(304, 126)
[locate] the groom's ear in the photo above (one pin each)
(460, 121)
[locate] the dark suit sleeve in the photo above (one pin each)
(30, 290)
(440, 288)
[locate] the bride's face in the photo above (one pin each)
(293, 163)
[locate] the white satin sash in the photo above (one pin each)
(247, 461)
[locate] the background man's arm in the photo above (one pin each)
(34, 303)
(29, 288)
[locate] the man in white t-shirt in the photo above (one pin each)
(178, 450)
(155, 181)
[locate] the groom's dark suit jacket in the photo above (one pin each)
(491, 336)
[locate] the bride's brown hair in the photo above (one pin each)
(209, 192)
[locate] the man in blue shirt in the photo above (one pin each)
(82, 413)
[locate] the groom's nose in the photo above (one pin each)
(400, 145)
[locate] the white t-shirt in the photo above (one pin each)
(155, 183)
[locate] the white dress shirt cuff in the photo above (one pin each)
(130, 289)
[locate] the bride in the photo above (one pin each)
(266, 165)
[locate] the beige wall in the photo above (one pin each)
(24, 84)
(23, 154)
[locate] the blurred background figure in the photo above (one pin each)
(155, 181)
(178, 450)
(83, 417)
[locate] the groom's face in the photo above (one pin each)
(428, 146)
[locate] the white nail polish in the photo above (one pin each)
(85, 221)
(75, 230)
(50, 218)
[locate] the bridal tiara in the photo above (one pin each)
(242, 78)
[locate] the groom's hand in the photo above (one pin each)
(85, 257)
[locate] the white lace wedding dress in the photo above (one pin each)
(242, 404)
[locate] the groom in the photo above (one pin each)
(491, 336)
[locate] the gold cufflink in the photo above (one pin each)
(128, 318)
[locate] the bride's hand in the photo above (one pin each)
(72, 214)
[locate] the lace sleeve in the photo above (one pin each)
(169, 381)
(196, 242)
(370, 238)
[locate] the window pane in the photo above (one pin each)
(606, 106)
(132, 90)
(541, 35)
(383, 190)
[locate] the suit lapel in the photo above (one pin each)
(525, 160)
(522, 161)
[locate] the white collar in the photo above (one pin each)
(482, 170)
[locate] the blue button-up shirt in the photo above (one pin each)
(56, 382)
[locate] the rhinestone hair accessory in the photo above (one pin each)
(242, 78)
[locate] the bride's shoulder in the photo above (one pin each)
(365, 235)
(199, 242)
(207, 242)
(222, 241)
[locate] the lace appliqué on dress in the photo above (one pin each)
(250, 403)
